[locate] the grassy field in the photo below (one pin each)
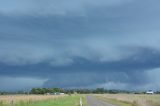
(34, 100)
(73, 100)
(131, 99)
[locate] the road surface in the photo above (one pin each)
(93, 101)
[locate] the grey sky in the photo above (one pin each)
(80, 43)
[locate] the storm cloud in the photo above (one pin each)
(80, 44)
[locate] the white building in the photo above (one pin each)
(61, 93)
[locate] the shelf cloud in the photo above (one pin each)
(80, 44)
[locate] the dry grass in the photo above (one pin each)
(7, 100)
(140, 100)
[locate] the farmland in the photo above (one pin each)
(40, 100)
(131, 99)
(73, 100)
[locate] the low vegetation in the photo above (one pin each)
(131, 99)
(41, 100)
(117, 102)
(13, 100)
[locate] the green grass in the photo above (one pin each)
(64, 101)
(117, 102)
(84, 100)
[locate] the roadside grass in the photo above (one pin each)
(64, 101)
(84, 100)
(134, 99)
(117, 102)
(25, 100)
(72, 100)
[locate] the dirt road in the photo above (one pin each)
(93, 101)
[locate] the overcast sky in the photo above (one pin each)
(112, 44)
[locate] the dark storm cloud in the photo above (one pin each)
(85, 73)
(80, 43)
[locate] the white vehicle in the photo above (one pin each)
(150, 92)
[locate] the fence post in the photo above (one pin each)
(81, 102)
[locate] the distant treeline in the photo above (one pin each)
(72, 91)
